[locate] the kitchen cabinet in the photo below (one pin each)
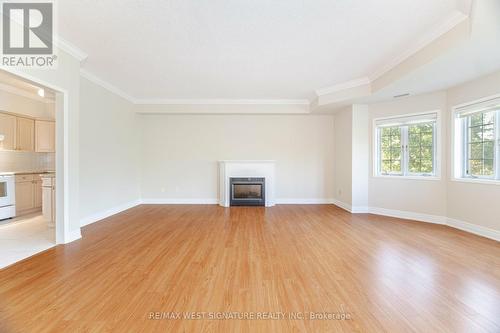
(24, 197)
(28, 194)
(25, 134)
(45, 133)
(7, 132)
(49, 199)
(38, 192)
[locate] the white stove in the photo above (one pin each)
(7, 197)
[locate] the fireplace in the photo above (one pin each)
(262, 170)
(247, 191)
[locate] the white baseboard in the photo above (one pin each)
(174, 201)
(349, 208)
(454, 223)
(436, 219)
(107, 213)
(408, 215)
(360, 209)
(72, 236)
(303, 201)
(474, 229)
(343, 205)
(210, 201)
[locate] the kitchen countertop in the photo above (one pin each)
(48, 175)
(26, 172)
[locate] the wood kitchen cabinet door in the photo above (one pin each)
(25, 196)
(38, 192)
(8, 131)
(45, 136)
(25, 134)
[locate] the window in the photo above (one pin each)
(406, 146)
(421, 148)
(390, 149)
(477, 140)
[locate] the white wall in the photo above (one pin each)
(360, 157)
(104, 166)
(180, 153)
(474, 203)
(417, 196)
(343, 157)
(351, 158)
(109, 152)
(466, 205)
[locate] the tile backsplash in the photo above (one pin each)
(26, 161)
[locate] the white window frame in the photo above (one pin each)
(459, 152)
(405, 174)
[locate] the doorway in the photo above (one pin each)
(28, 167)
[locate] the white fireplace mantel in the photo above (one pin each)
(245, 168)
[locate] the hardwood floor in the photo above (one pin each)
(373, 273)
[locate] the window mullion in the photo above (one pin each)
(378, 152)
(434, 150)
(496, 156)
(404, 150)
(465, 150)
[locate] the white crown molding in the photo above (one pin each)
(106, 85)
(189, 102)
(343, 86)
(364, 86)
(217, 101)
(459, 16)
(24, 93)
(62, 44)
(451, 22)
(69, 48)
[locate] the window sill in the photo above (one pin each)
(432, 178)
(476, 181)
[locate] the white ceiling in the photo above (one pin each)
(240, 49)
(476, 56)
(16, 85)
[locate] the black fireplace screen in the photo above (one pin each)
(247, 191)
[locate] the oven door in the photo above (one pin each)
(7, 195)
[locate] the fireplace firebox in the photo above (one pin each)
(247, 191)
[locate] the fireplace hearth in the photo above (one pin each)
(247, 191)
